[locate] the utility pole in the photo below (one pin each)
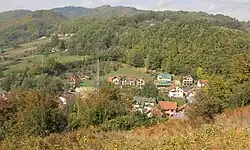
(98, 80)
(32, 53)
(42, 61)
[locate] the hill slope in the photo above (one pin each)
(12, 15)
(176, 42)
(28, 27)
(102, 11)
(71, 12)
(107, 11)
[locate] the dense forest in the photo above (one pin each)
(157, 41)
(7, 16)
(22, 25)
(28, 27)
(105, 11)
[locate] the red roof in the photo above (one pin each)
(204, 81)
(186, 107)
(167, 105)
(173, 86)
(110, 79)
(131, 78)
(156, 112)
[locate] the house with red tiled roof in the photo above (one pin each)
(183, 108)
(180, 112)
(202, 83)
(155, 112)
(168, 108)
(114, 80)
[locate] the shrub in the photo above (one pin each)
(129, 122)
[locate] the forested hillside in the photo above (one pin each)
(12, 15)
(22, 25)
(29, 27)
(105, 11)
(71, 12)
(178, 43)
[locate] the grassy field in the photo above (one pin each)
(38, 59)
(125, 71)
(131, 72)
(11, 52)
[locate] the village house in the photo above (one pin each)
(154, 112)
(4, 96)
(176, 92)
(180, 112)
(115, 80)
(202, 83)
(187, 80)
(143, 104)
(164, 80)
(65, 100)
(129, 81)
(126, 81)
(85, 78)
(140, 83)
(190, 96)
(168, 108)
(74, 80)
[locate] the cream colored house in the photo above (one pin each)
(176, 92)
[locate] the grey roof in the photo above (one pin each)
(165, 75)
(142, 100)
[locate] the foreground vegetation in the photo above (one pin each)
(229, 131)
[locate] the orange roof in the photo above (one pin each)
(111, 78)
(167, 105)
(173, 86)
(183, 107)
(156, 112)
(203, 81)
(131, 78)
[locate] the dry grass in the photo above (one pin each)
(230, 132)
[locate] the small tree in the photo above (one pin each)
(61, 45)
(38, 115)
(54, 40)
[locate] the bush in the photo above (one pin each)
(129, 122)
(93, 111)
